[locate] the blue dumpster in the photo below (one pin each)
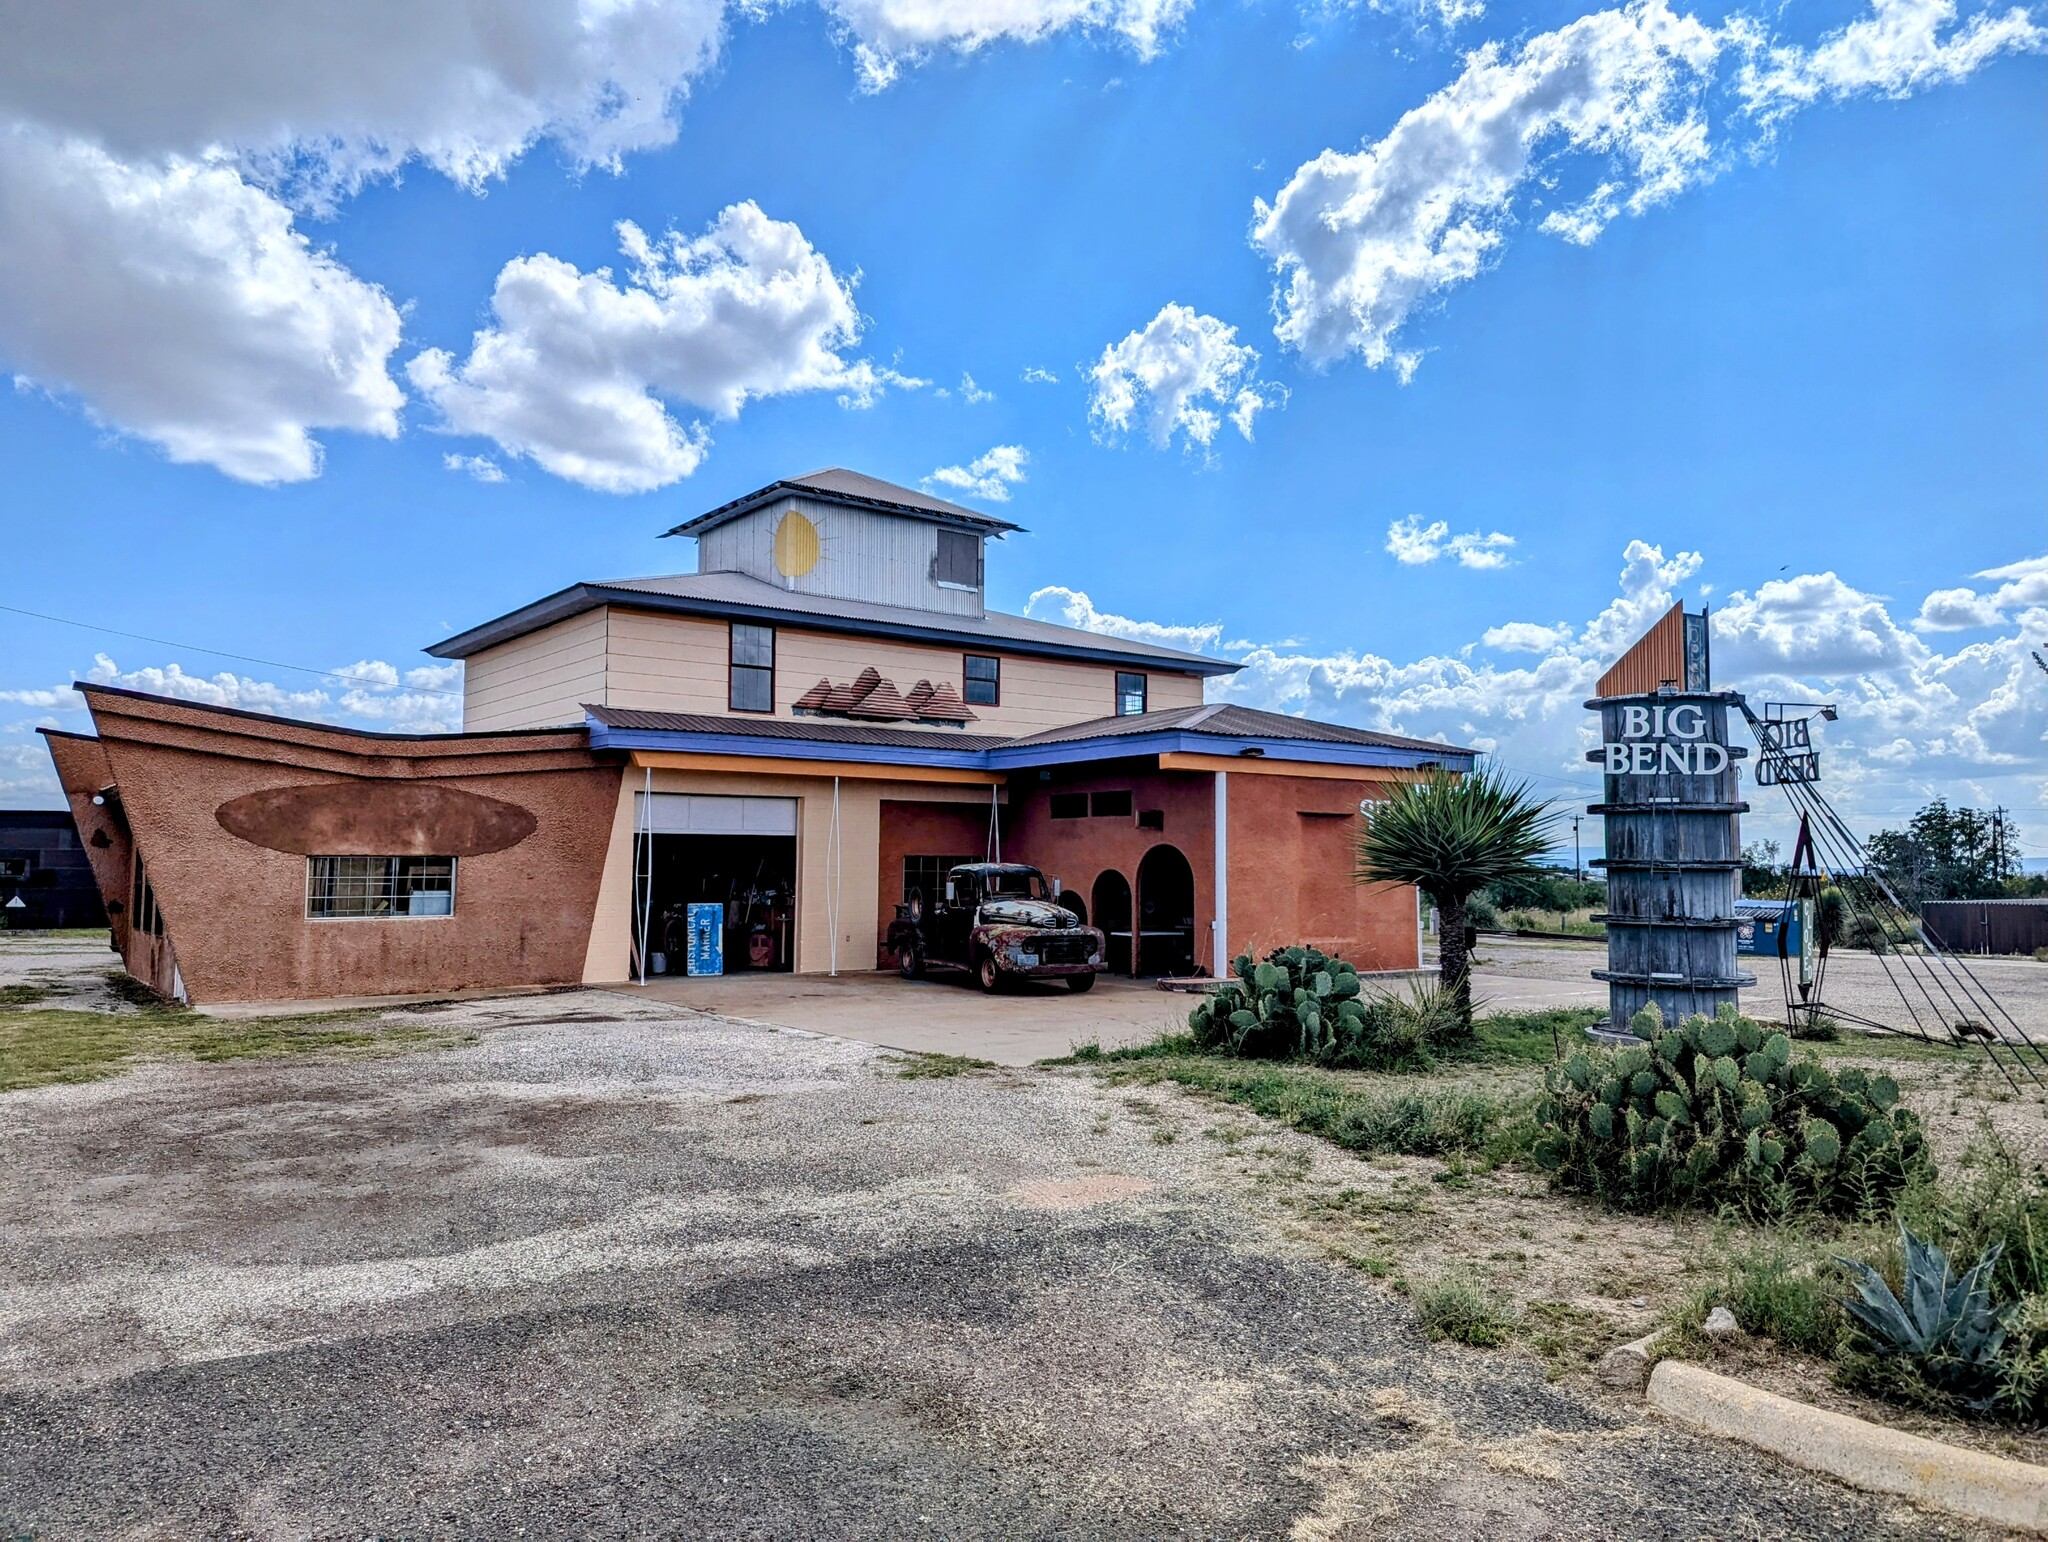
(1768, 926)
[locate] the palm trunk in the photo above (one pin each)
(1454, 959)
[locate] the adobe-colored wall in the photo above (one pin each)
(236, 910)
(82, 771)
(1078, 851)
(1292, 852)
(921, 830)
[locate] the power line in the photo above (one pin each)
(219, 653)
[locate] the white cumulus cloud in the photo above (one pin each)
(1412, 542)
(479, 468)
(181, 305)
(1634, 104)
(2016, 586)
(988, 477)
(1072, 607)
(887, 35)
(1181, 373)
(1901, 47)
(1525, 637)
(577, 369)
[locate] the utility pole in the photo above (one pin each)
(1578, 868)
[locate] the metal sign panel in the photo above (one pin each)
(688, 813)
(705, 920)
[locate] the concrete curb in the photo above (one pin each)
(1986, 1488)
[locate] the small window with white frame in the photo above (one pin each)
(982, 682)
(752, 675)
(379, 888)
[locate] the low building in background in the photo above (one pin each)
(45, 879)
(811, 728)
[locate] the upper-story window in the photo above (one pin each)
(753, 668)
(982, 680)
(958, 563)
(1130, 694)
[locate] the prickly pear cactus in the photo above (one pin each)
(1296, 1004)
(1715, 1112)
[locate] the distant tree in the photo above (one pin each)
(1946, 853)
(1544, 888)
(1761, 876)
(1450, 836)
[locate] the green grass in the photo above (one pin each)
(1344, 1108)
(21, 995)
(1781, 1284)
(1456, 1308)
(41, 1047)
(926, 1067)
(1531, 1038)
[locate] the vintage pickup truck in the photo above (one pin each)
(999, 921)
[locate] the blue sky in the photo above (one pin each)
(1793, 365)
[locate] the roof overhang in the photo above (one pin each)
(775, 492)
(1246, 753)
(579, 598)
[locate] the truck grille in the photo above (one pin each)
(1067, 948)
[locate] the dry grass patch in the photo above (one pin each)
(41, 1047)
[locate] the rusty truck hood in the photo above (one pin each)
(1042, 915)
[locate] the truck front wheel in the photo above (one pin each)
(1077, 983)
(910, 963)
(988, 974)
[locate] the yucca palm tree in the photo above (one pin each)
(1450, 835)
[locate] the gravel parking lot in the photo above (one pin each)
(619, 1270)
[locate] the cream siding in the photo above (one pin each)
(667, 663)
(540, 680)
(857, 868)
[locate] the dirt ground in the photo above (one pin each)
(1517, 973)
(620, 1269)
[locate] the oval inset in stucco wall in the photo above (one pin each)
(376, 819)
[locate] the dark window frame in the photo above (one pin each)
(969, 680)
(916, 867)
(1122, 691)
(943, 570)
(733, 667)
(1067, 805)
(1111, 803)
(401, 880)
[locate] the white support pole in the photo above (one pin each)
(1219, 929)
(832, 861)
(645, 829)
(995, 828)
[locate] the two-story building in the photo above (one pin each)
(822, 718)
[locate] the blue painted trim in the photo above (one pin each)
(1025, 757)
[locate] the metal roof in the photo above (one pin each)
(810, 729)
(835, 484)
(1226, 719)
(1212, 730)
(735, 596)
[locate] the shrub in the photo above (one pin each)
(1717, 1112)
(1782, 1286)
(1301, 1004)
(1456, 1308)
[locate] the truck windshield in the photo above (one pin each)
(1013, 886)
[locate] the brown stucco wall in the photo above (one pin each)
(921, 830)
(82, 771)
(1078, 851)
(1291, 848)
(236, 909)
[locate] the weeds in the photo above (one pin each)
(1455, 1307)
(22, 995)
(929, 1067)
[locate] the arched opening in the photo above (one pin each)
(1111, 902)
(1071, 898)
(1166, 913)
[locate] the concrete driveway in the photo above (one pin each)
(623, 1270)
(944, 1014)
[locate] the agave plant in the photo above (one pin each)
(1946, 1333)
(1451, 835)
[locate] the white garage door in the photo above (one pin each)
(689, 813)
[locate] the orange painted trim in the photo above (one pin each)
(774, 765)
(1260, 765)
